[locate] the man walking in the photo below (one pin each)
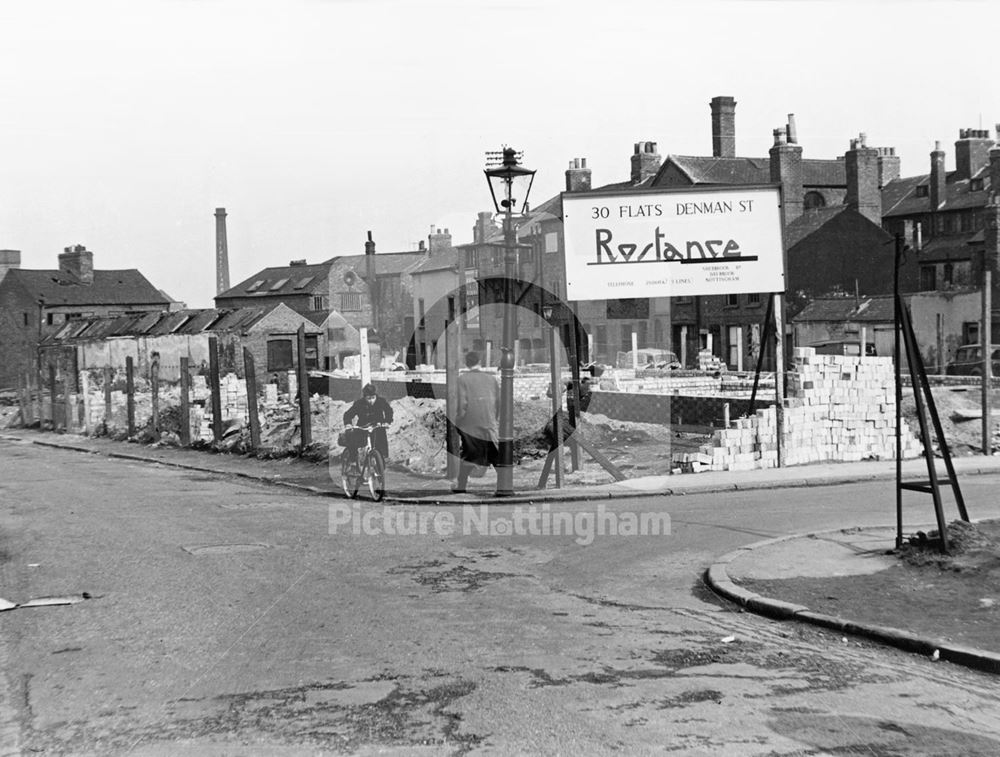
(476, 420)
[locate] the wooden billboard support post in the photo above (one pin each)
(185, 402)
(451, 394)
(987, 339)
(250, 376)
(779, 373)
(51, 416)
(216, 390)
(154, 388)
(305, 417)
(130, 395)
(107, 396)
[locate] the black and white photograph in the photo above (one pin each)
(499, 377)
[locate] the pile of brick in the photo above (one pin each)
(839, 408)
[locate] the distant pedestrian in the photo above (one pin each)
(476, 420)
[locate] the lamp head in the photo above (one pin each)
(509, 181)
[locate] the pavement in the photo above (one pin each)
(841, 553)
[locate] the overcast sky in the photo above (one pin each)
(123, 125)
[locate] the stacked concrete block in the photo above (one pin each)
(233, 391)
(270, 394)
(839, 408)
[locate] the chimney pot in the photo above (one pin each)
(790, 129)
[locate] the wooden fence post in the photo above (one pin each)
(185, 403)
(85, 396)
(213, 381)
(68, 407)
(250, 376)
(107, 396)
(305, 419)
(52, 395)
(154, 388)
(130, 394)
(452, 443)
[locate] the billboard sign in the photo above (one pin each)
(672, 243)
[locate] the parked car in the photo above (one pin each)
(968, 361)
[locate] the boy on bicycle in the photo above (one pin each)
(368, 411)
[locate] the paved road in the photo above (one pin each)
(226, 619)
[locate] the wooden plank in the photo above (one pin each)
(130, 394)
(185, 402)
(250, 376)
(305, 418)
(216, 390)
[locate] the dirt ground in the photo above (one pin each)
(959, 409)
(952, 597)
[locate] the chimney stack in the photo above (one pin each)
(645, 161)
(995, 172)
(484, 227)
(937, 187)
(578, 176)
(888, 165)
(723, 127)
(861, 164)
(221, 252)
(79, 261)
(786, 169)
(9, 260)
(439, 241)
(972, 152)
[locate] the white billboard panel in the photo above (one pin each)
(673, 243)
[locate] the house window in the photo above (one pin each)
(813, 200)
(970, 332)
(753, 298)
(279, 354)
(321, 302)
(337, 334)
(25, 319)
(923, 190)
(312, 351)
(928, 278)
(640, 333)
(949, 272)
(732, 300)
(976, 185)
(350, 302)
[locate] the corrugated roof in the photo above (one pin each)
(810, 222)
(160, 324)
(440, 262)
(949, 247)
(127, 287)
(879, 309)
(263, 282)
(900, 198)
(386, 263)
(737, 171)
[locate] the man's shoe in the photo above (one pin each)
(457, 490)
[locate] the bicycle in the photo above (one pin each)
(367, 466)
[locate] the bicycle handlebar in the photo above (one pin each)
(368, 428)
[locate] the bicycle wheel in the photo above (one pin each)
(376, 475)
(350, 476)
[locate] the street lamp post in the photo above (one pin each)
(506, 179)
